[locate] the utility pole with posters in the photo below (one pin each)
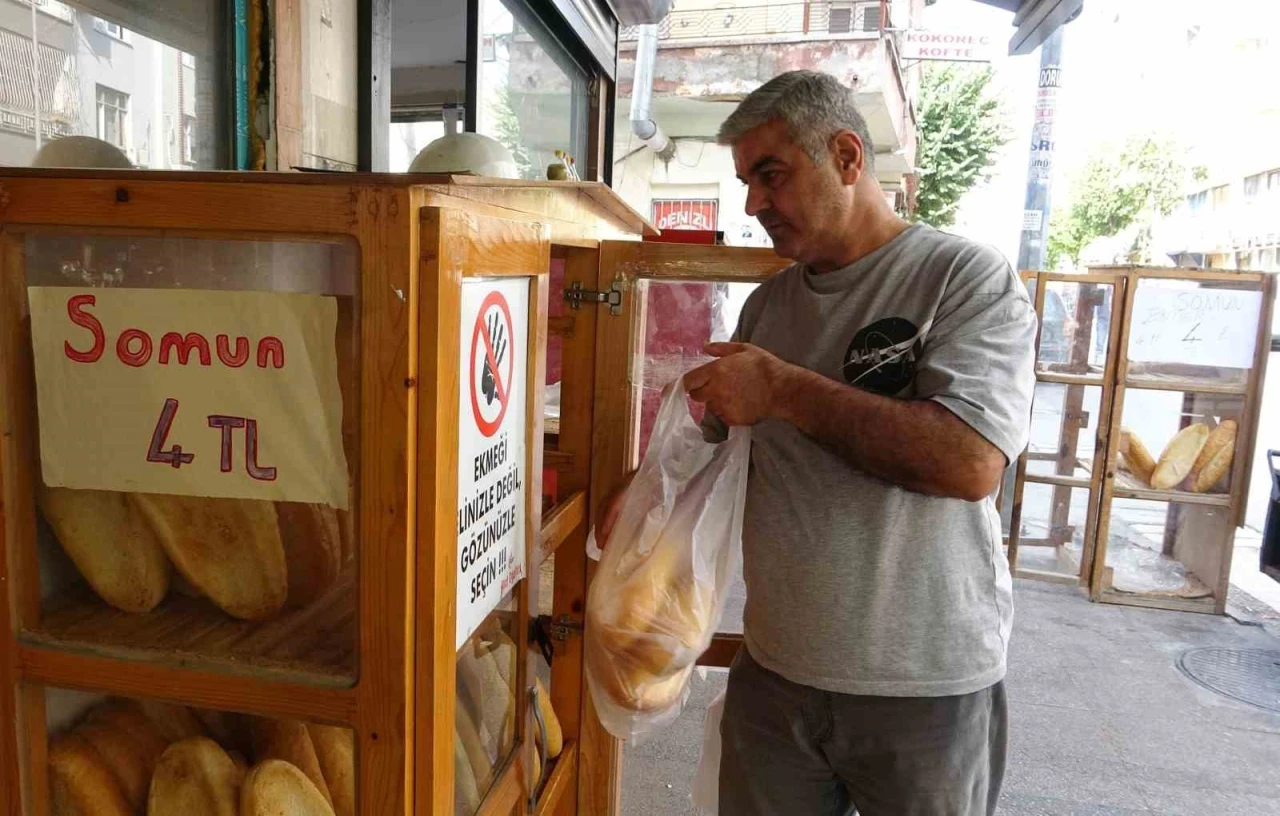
(1035, 214)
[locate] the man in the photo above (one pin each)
(887, 375)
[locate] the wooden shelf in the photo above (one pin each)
(560, 522)
(316, 645)
(561, 779)
(1157, 383)
(1204, 605)
(1056, 480)
(1068, 379)
(1127, 487)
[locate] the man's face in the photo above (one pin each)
(802, 205)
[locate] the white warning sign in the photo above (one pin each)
(492, 484)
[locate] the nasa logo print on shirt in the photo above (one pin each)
(882, 356)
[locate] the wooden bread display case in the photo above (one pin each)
(272, 459)
(1144, 424)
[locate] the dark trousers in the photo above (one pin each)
(798, 751)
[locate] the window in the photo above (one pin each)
(189, 139)
(533, 97)
(114, 30)
(1221, 195)
(1273, 182)
(1253, 185)
(113, 116)
(1197, 202)
(409, 137)
(128, 80)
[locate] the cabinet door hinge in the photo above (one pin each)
(577, 294)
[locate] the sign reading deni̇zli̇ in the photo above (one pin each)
(492, 489)
(189, 392)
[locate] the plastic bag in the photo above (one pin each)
(706, 781)
(665, 573)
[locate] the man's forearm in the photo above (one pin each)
(916, 444)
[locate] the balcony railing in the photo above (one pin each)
(813, 19)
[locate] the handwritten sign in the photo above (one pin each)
(492, 489)
(194, 393)
(1206, 327)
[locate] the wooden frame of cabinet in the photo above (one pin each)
(1075, 375)
(1107, 480)
(419, 238)
(1211, 549)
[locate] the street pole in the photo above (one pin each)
(35, 68)
(1035, 215)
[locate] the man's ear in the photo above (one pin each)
(846, 148)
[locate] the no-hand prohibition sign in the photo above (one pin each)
(492, 363)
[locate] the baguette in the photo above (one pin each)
(228, 549)
(661, 612)
(1137, 455)
(312, 549)
(128, 717)
(174, 722)
(228, 729)
(122, 755)
(1179, 455)
(195, 777)
(466, 795)
(1215, 458)
(276, 788)
(289, 740)
(111, 544)
(555, 736)
(336, 752)
(479, 759)
(80, 783)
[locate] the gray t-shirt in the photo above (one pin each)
(854, 585)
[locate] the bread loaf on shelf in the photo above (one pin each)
(312, 548)
(1179, 455)
(275, 787)
(1139, 459)
(466, 796)
(111, 545)
(174, 722)
(228, 549)
(336, 751)
(128, 717)
(195, 777)
(1215, 459)
(289, 740)
(80, 783)
(129, 763)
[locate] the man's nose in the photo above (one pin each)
(757, 200)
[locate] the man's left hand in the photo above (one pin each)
(742, 386)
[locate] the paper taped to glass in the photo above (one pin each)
(189, 392)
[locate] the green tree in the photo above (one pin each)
(961, 127)
(1114, 191)
(507, 130)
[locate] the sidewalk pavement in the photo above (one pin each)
(1102, 721)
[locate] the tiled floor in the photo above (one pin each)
(1102, 721)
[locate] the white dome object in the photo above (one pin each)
(81, 151)
(466, 153)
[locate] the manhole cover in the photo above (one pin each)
(1249, 675)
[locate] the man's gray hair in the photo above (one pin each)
(813, 105)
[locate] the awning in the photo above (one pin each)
(1036, 20)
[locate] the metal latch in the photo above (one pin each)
(577, 294)
(561, 628)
